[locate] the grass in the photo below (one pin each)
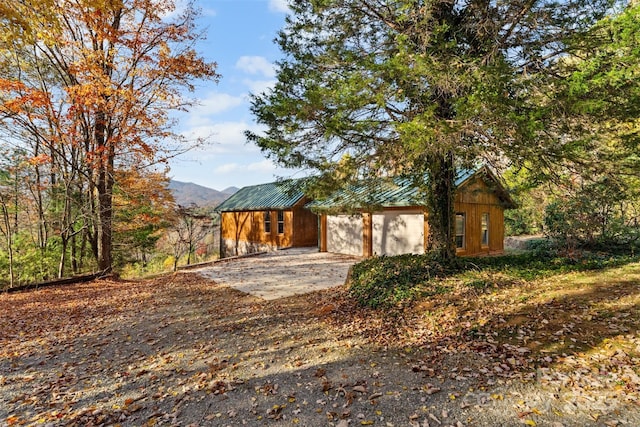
(564, 329)
(585, 309)
(386, 282)
(569, 324)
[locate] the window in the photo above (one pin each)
(280, 222)
(484, 229)
(267, 222)
(460, 220)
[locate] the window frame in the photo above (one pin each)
(463, 233)
(485, 227)
(280, 222)
(266, 218)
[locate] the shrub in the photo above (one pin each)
(599, 215)
(387, 281)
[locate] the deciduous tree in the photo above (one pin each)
(89, 88)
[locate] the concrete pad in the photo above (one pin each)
(282, 273)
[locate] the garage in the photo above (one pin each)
(398, 232)
(394, 221)
(344, 234)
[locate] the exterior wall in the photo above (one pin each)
(305, 228)
(231, 247)
(398, 232)
(474, 199)
(243, 232)
(344, 234)
(478, 192)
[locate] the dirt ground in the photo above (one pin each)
(282, 274)
(184, 350)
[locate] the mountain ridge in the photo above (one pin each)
(189, 193)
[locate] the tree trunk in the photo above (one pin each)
(9, 234)
(106, 150)
(440, 197)
(74, 253)
(63, 257)
(87, 237)
(105, 211)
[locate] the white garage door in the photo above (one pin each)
(344, 234)
(398, 232)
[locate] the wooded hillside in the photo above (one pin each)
(85, 95)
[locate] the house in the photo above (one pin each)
(266, 217)
(395, 222)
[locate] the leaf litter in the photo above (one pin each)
(182, 350)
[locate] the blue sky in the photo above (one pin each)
(240, 36)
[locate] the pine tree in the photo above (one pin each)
(373, 88)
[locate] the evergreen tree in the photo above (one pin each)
(373, 88)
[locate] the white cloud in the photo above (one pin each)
(263, 166)
(278, 6)
(216, 103)
(256, 65)
(227, 168)
(223, 138)
(259, 86)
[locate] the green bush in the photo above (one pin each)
(386, 282)
(599, 215)
(381, 282)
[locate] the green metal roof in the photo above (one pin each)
(383, 192)
(392, 192)
(274, 195)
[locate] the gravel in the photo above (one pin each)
(184, 350)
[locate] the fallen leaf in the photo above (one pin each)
(360, 389)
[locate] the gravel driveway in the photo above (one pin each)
(282, 273)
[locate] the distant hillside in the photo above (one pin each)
(230, 190)
(188, 193)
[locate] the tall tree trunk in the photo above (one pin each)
(74, 253)
(106, 149)
(87, 237)
(104, 187)
(7, 223)
(42, 220)
(440, 198)
(105, 214)
(63, 257)
(66, 229)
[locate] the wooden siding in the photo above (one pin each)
(367, 235)
(476, 191)
(247, 227)
(473, 233)
(305, 227)
(323, 233)
(474, 199)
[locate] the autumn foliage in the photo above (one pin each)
(85, 102)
